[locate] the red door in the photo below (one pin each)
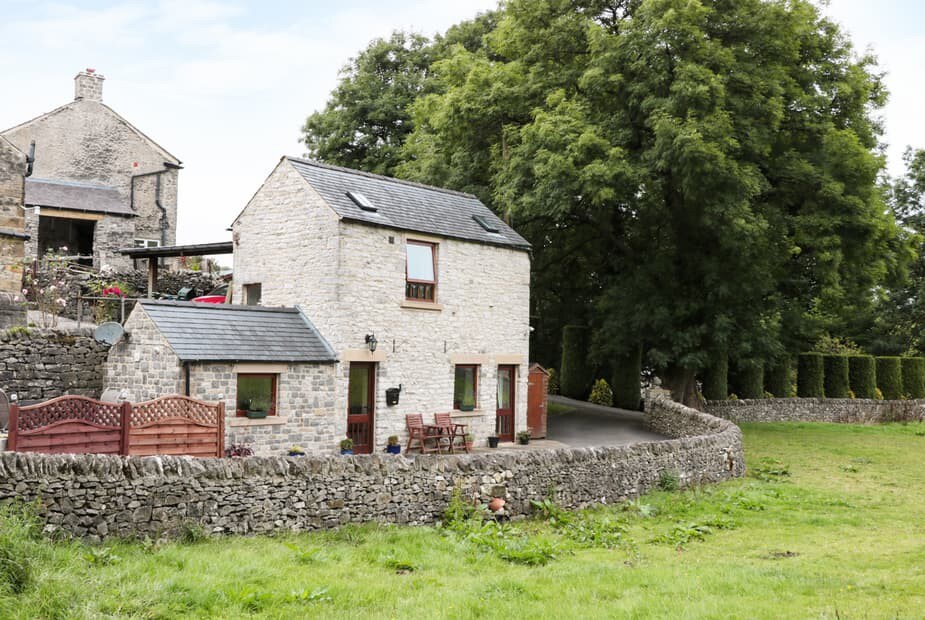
(536, 401)
(504, 426)
(361, 403)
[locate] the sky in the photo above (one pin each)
(226, 85)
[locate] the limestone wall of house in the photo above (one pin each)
(305, 407)
(12, 221)
(101, 496)
(143, 364)
(350, 280)
(86, 141)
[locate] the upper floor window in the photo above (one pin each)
(253, 293)
(421, 271)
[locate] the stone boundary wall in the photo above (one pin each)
(40, 364)
(837, 410)
(99, 496)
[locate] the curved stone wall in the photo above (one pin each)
(97, 496)
(837, 410)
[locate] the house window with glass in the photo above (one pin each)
(466, 387)
(256, 395)
(147, 243)
(421, 271)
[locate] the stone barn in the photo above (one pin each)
(270, 366)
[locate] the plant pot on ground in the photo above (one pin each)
(346, 446)
(296, 451)
(469, 439)
(393, 446)
(523, 437)
(493, 441)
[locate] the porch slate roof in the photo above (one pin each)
(75, 197)
(225, 333)
(405, 205)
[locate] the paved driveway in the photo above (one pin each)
(593, 425)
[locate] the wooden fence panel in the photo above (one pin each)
(76, 425)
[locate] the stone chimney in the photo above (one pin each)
(88, 85)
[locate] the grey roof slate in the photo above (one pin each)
(76, 196)
(405, 205)
(214, 332)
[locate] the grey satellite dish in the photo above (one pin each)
(4, 411)
(108, 333)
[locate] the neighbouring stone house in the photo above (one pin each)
(13, 170)
(236, 354)
(432, 277)
(99, 184)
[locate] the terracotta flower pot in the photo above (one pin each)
(496, 504)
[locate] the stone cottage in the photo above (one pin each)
(267, 360)
(422, 292)
(420, 295)
(13, 170)
(99, 184)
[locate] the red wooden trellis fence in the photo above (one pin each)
(80, 425)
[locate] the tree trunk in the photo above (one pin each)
(683, 385)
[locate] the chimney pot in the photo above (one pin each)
(88, 85)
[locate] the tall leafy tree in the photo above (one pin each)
(700, 175)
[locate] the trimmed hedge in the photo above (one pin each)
(810, 375)
(862, 375)
(913, 369)
(749, 380)
(890, 377)
(625, 384)
(777, 378)
(835, 376)
(715, 379)
(574, 370)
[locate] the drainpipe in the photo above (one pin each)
(30, 159)
(157, 201)
(186, 372)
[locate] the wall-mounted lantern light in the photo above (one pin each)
(371, 342)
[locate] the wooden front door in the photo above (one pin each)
(361, 404)
(504, 426)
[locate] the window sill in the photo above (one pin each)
(421, 305)
(475, 413)
(268, 421)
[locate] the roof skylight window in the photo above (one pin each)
(486, 223)
(362, 201)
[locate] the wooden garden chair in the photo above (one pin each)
(450, 431)
(421, 433)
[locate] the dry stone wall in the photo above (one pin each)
(838, 410)
(99, 496)
(41, 364)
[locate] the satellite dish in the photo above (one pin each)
(108, 333)
(4, 411)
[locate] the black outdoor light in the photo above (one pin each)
(371, 342)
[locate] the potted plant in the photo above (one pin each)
(296, 451)
(467, 407)
(523, 437)
(346, 446)
(469, 438)
(393, 447)
(254, 409)
(493, 441)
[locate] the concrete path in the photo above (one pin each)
(594, 425)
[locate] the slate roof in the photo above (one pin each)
(226, 333)
(76, 197)
(405, 205)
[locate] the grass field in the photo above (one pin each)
(830, 523)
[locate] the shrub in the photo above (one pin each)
(810, 375)
(748, 381)
(889, 377)
(913, 372)
(626, 373)
(835, 373)
(862, 375)
(575, 374)
(601, 394)
(777, 378)
(716, 378)
(829, 345)
(552, 384)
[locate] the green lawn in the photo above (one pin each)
(832, 527)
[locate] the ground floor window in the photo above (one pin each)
(465, 389)
(256, 395)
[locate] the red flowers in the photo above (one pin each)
(113, 291)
